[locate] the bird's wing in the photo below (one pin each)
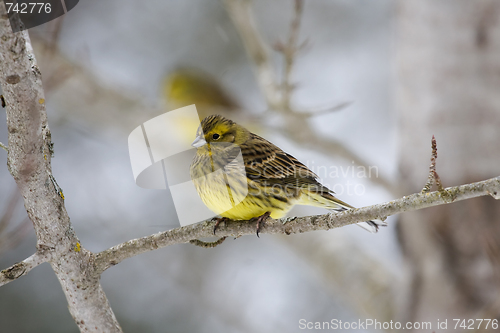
(268, 164)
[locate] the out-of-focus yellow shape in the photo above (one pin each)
(186, 86)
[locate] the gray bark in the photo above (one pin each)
(29, 156)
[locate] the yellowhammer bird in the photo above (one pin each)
(240, 175)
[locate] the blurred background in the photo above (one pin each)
(358, 85)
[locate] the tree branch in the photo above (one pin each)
(324, 110)
(240, 13)
(288, 226)
(433, 175)
(22, 268)
(28, 160)
(296, 128)
(290, 51)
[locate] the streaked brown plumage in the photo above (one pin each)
(264, 179)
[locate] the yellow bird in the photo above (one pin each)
(240, 176)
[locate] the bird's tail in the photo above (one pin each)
(328, 201)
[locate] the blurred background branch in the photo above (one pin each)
(240, 13)
(10, 237)
(295, 125)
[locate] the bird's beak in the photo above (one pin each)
(198, 142)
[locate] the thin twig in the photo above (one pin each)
(290, 51)
(433, 175)
(11, 239)
(22, 268)
(323, 111)
(57, 73)
(297, 128)
(287, 226)
(9, 209)
(4, 147)
(240, 13)
(436, 176)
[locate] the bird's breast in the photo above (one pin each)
(220, 185)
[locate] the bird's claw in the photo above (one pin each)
(260, 221)
(218, 220)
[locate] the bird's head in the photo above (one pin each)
(217, 129)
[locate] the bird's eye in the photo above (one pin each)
(215, 136)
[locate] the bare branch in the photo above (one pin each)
(12, 238)
(288, 226)
(297, 128)
(240, 13)
(433, 175)
(437, 180)
(22, 268)
(290, 51)
(432, 168)
(4, 147)
(28, 160)
(9, 210)
(323, 111)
